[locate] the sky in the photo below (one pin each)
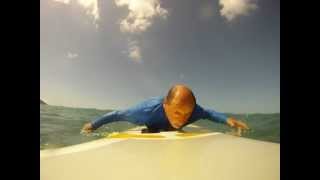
(113, 54)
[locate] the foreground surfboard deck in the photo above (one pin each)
(166, 155)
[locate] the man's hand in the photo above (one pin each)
(238, 125)
(87, 128)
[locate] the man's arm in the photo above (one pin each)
(98, 122)
(215, 116)
(105, 119)
(222, 118)
(137, 114)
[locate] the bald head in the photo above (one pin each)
(182, 93)
(179, 105)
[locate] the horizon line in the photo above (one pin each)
(116, 109)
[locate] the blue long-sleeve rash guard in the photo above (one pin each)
(151, 113)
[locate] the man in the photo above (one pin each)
(173, 112)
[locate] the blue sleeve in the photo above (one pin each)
(107, 118)
(215, 116)
(138, 114)
(210, 114)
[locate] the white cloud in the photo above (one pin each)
(234, 8)
(71, 55)
(134, 51)
(91, 6)
(141, 14)
(140, 18)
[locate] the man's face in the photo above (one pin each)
(178, 112)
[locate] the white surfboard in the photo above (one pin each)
(164, 156)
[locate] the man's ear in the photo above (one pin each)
(165, 105)
(165, 102)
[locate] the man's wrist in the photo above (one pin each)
(92, 125)
(231, 121)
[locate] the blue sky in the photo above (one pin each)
(113, 54)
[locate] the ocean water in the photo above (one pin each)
(60, 126)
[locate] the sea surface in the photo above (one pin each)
(61, 126)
